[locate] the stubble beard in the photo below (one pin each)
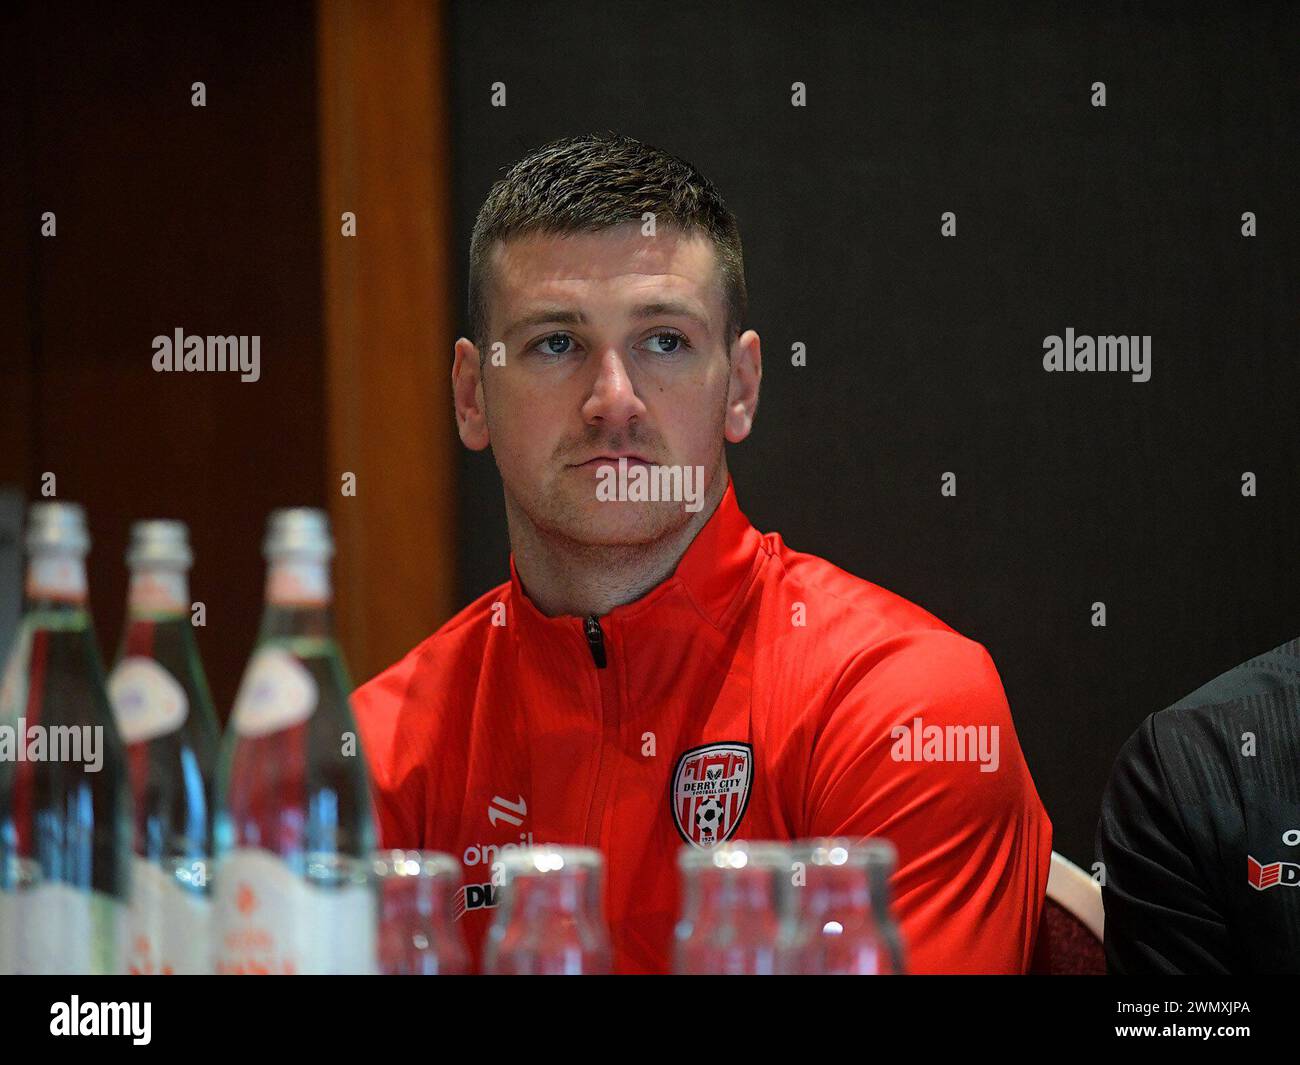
(568, 514)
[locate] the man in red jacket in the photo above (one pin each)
(649, 636)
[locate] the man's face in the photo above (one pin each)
(614, 345)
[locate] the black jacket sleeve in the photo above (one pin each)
(1162, 912)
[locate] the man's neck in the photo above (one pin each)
(562, 576)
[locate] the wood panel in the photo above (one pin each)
(384, 136)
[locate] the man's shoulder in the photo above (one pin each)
(865, 633)
(845, 611)
(842, 594)
(1273, 673)
(1196, 745)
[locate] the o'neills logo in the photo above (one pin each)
(485, 896)
(1262, 877)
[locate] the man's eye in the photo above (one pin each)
(674, 343)
(554, 345)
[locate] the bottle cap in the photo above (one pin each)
(298, 532)
(545, 859)
(871, 853)
(397, 864)
(739, 854)
(57, 527)
(159, 543)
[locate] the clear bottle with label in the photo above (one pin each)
(164, 713)
(550, 918)
(294, 832)
(65, 831)
(732, 909)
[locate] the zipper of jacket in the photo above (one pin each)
(595, 640)
(606, 764)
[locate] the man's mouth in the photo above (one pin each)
(612, 460)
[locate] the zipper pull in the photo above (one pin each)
(595, 640)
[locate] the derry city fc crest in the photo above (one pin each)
(710, 792)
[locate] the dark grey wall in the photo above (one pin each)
(925, 353)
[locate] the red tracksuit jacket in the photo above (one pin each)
(830, 700)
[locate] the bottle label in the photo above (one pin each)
(298, 582)
(276, 693)
(148, 702)
(13, 690)
(167, 925)
(271, 921)
(56, 575)
(62, 930)
(158, 591)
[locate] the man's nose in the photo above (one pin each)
(613, 397)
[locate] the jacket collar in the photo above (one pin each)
(712, 573)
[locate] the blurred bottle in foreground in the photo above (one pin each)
(732, 905)
(550, 915)
(418, 935)
(840, 922)
(164, 714)
(65, 833)
(295, 833)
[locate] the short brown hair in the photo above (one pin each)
(594, 181)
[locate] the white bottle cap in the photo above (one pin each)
(298, 532)
(57, 527)
(160, 542)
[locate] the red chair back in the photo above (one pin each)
(1066, 946)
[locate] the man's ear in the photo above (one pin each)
(742, 386)
(467, 393)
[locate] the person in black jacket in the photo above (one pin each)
(1199, 835)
